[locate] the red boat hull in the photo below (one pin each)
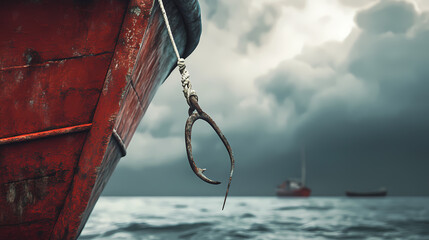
(302, 192)
(76, 77)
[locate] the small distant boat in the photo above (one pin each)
(379, 193)
(295, 188)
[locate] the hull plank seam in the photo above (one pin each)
(53, 174)
(55, 60)
(44, 134)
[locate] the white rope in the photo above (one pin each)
(167, 24)
(186, 83)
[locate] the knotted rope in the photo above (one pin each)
(186, 83)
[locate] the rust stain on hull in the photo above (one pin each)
(24, 193)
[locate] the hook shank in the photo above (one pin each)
(200, 114)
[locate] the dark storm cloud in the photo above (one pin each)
(387, 16)
(360, 108)
(396, 62)
(254, 26)
(282, 84)
(220, 11)
(217, 12)
(262, 25)
(377, 141)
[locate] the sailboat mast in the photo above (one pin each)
(303, 172)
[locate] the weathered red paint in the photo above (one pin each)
(34, 180)
(54, 57)
(76, 209)
(64, 65)
(39, 31)
(55, 95)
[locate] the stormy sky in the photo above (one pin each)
(348, 80)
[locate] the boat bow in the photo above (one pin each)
(67, 64)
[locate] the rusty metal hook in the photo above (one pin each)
(194, 116)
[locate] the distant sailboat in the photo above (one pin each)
(295, 188)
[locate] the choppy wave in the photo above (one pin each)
(143, 227)
(258, 218)
(247, 215)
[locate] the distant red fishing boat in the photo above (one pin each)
(295, 188)
(76, 77)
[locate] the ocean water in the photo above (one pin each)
(258, 218)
